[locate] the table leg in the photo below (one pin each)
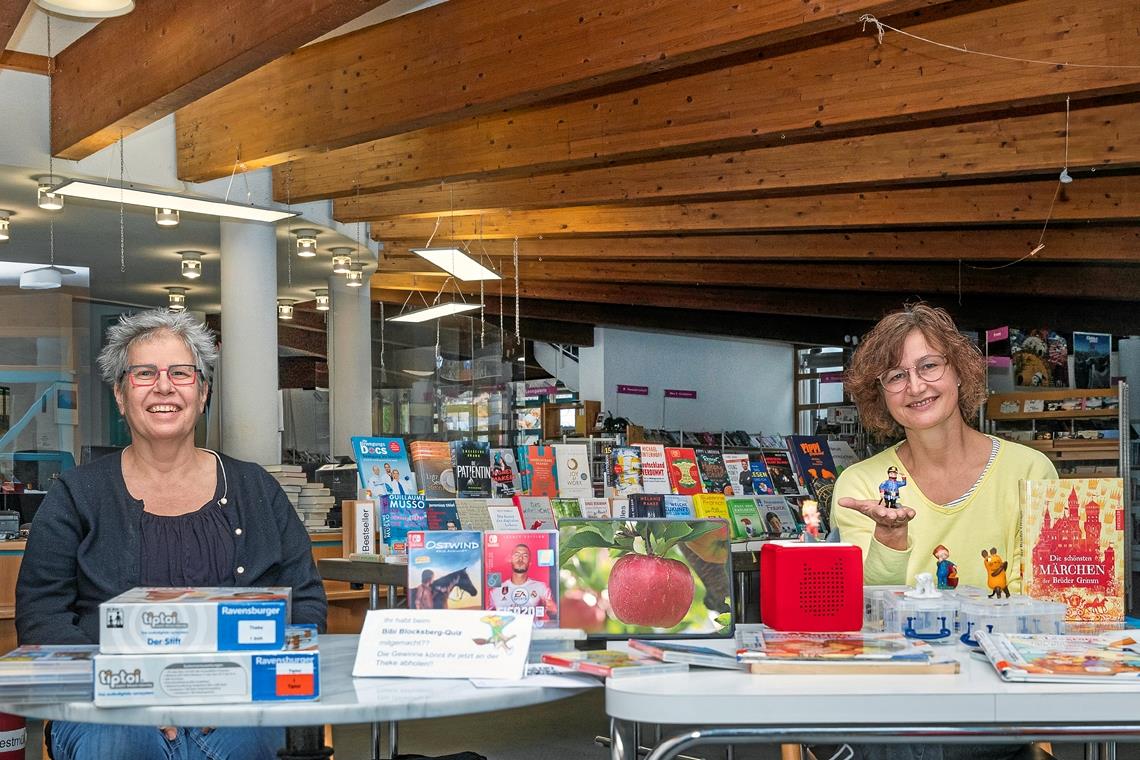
(623, 740)
(391, 597)
(305, 743)
(375, 744)
(1092, 751)
(393, 739)
(1108, 751)
(373, 596)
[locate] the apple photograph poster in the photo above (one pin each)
(623, 578)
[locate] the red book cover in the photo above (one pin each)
(1073, 533)
(540, 471)
(684, 478)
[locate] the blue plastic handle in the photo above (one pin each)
(965, 637)
(910, 633)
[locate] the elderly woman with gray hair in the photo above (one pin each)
(160, 513)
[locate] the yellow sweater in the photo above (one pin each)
(989, 518)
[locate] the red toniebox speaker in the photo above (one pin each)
(811, 586)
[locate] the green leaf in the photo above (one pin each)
(581, 540)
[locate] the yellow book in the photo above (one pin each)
(708, 505)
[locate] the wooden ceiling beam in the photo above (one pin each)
(1101, 137)
(29, 63)
(132, 70)
(855, 86)
(11, 11)
(1113, 282)
(470, 57)
(1080, 243)
(1103, 199)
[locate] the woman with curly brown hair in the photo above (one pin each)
(915, 376)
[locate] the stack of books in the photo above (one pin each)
(47, 673)
(313, 504)
(841, 653)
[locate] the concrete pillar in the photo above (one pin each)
(350, 364)
(249, 391)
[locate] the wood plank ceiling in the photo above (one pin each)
(719, 163)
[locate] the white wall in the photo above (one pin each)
(741, 384)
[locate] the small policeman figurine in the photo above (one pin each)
(889, 488)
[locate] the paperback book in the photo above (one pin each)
(714, 476)
(596, 509)
(431, 461)
(442, 514)
(47, 673)
(682, 468)
(1074, 536)
(536, 467)
(707, 505)
(537, 513)
(667, 651)
(473, 514)
(838, 653)
(572, 467)
(1109, 656)
(471, 461)
(383, 467)
(780, 471)
(400, 514)
(623, 471)
(612, 664)
(739, 475)
(678, 506)
(565, 507)
(505, 515)
(445, 570)
(654, 477)
(646, 505)
(781, 518)
(521, 574)
(811, 459)
(758, 474)
(746, 520)
(505, 481)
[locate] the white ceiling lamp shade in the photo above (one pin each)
(88, 8)
(43, 278)
(322, 295)
(176, 299)
(341, 259)
(285, 308)
(46, 197)
(98, 191)
(457, 263)
(434, 312)
(354, 278)
(166, 217)
(191, 264)
(306, 242)
(5, 226)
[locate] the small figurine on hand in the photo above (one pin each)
(889, 488)
(946, 571)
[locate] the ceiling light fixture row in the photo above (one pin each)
(191, 264)
(5, 225)
(176, 299)
(322, 296)
(46, 197)
(341, 259)
(166, 217)
(306, 242)
(285, 308)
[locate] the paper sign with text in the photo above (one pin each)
(443, 644)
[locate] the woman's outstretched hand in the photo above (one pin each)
(890, 522)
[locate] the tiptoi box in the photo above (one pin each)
(280, 675)
(156, 620)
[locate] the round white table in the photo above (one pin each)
(344, 699)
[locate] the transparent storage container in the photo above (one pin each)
(932, 620)
(1017, 614)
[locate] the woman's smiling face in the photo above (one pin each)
(163, 411)
(922, 404)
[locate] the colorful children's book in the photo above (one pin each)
(647, 505)
(878, 646)
(431, 461)
(382, 464)
(611, 663)
(678, 506)
(1110, 656)
(1074, 538)
(471, 461)
(623, 471)
(682, 468)
(779, 516)
(739, 476)
(714, 476)
(566, 507)
(668, 651)
(399, 514)
(811, 459)
(537, 513)
(746, 520)
(505, 481)
(505, 515)
(536, 466)
(706, 505)
(573, 470)
(654, 477)
(758, 473)
(780, 471)
(521, 572)
(445, 570)
(596, 509)
(442, 515)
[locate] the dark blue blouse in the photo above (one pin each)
(191, 549)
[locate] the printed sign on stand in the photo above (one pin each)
(443, 644)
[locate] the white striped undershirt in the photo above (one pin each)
(989, 463)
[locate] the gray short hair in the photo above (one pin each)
(146, 325)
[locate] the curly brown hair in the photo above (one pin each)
(881, 349)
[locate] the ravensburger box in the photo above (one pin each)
(156, 620)
(275, 675)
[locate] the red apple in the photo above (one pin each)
(577, 609)
(650, 591)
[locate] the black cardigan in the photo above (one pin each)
(84, 548)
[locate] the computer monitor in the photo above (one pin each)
(648, 578)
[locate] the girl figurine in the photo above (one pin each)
(946, 571)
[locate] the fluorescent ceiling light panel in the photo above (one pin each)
(457, 263)
(434, 312)
(98, 191)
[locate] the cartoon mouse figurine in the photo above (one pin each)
(995, 573)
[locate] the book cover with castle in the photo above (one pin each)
(1073, 534)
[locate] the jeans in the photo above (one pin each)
(93, 741)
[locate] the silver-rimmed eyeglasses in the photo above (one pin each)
(930, 368)
(143, 375)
